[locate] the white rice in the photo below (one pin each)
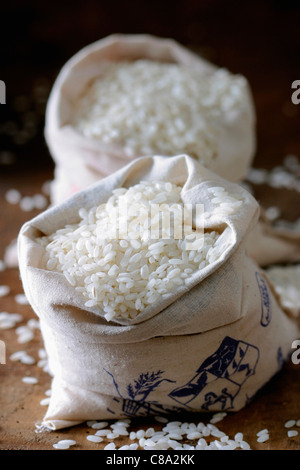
(4, 290)
(290, 423)
(281, 176)
(123, 272)
(286, 282)
(100, 425)
(142, 442)
(27, 204)
(173, 436)
(21, 299)
(42, 353)
(112, 435)
(64, 444)
(263, 438)
(25, 334)
(6, 324)
(239, 437)
(61, 446)
(45, 401)
(95, 439)
(244, 445)
(90, 423)
(29, 380)
(149, 432)
(140, 434)
(217, 417)
(13, 196)
(46, 187)
(149, 107)
(69, 442)
(102, 432)
(28, 360)
(272, 213)
(120, 431)
(39, 201)
(192, 435)
(112, 446)
(33, 324)
(43, 364)
(17, 356)
(9, 320)
(133, 446)
(262, 432)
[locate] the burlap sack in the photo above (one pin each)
(211, 345)
(81, 161)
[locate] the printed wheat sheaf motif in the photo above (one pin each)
(145, 384)
(136, 403)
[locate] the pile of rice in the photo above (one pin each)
(149, 107)
(111, 259)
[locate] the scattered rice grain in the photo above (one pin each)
(30, 380)
(95, 439)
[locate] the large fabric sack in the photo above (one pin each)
(210, 346)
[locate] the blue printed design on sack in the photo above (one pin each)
(221, 376)
(266, 311)
(280, 358)
(136, 403)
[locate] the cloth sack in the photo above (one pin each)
(209, 346)
(81, 161)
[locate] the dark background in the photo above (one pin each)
(259, 39)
